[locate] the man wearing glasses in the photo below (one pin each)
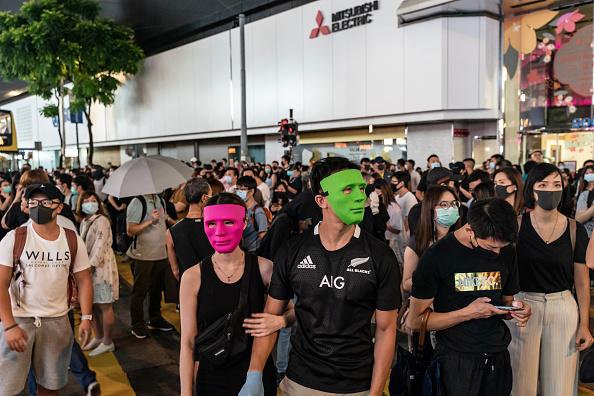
(34, 302)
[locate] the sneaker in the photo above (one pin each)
(93, 389)
(140, 333)
(102, 348)
(93, 344)
(161, 324)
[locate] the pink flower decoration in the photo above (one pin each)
(567, 21)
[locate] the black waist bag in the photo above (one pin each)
(225, 339)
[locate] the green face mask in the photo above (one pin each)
(348, 205)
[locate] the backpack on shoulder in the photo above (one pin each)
(268, 214)
(20, 239)
(123, 241)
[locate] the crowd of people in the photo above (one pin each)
(498, 254)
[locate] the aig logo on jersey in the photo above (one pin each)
(475, 281)
(355, 263)
(332, 282)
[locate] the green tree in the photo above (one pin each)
(53, 41)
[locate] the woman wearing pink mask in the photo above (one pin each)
(211, 290)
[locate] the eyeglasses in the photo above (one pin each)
(446, 205)
(46, 203)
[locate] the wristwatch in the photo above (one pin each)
(87, 317)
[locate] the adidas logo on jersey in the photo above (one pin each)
(307, 263)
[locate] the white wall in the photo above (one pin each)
(378, 73)
(426, 139)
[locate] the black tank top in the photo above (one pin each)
(217, 298)
(190, 242)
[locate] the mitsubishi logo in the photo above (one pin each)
(316, 31)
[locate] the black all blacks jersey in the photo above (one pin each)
(337, 294)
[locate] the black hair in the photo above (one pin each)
(225, 198)
(498, 157)
(539, 173)
(586, 161)
(365, 159)
(478, 175)
(326, 167)
(484, 190)
(505, 164)
(402, 176)
(529, 165)
(401, 162)
(247, 182)
(519, 169)
(469, 159)
(286, 158)
(194, 190)
(84, 182)
(493, 218)
(412, 162)
(64, 178)
(432, 156)
(234, 170)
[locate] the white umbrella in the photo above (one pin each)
(147, 175)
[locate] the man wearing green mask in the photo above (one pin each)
(341, 276)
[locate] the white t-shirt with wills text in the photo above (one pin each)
(45, 266)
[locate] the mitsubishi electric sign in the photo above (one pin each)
(346, 19)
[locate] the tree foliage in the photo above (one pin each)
(66, 40)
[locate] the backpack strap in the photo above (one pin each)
(20, 238)
(142, 214)
(72, 240)
(572, 234)
(590, 198)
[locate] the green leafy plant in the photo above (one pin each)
(56, 41)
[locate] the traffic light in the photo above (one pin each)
(289, 131)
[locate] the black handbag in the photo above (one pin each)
(417, 373)
(225, 339)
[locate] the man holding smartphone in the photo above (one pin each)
(467, 275)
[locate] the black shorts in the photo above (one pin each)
(475, 374)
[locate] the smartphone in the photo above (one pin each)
(508, 308)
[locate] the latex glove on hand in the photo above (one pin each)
(253, 385)
(374, 202)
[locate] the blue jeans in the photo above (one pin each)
(283, 350)
(78, 365)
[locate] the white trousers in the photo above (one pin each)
(544, 350)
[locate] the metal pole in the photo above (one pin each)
(77, 146)
(243, 141)
(63, 118)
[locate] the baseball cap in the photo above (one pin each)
(193, 159)
(208, 167)
(48, 189)
(378, 160)
(441, 175)
(457, 167)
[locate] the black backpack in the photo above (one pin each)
(123, 241)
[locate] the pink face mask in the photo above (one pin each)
(223, 225)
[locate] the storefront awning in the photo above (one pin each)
(417, 10)
(352, 135)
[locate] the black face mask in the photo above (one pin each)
(281, 195)
(274, 168)
(395, 187)
(381, 167)
(548, 200)
(366, 167)
(41, 214)
(484, 253)
(501, 191)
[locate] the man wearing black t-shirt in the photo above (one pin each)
(341, 276)
(466, 275)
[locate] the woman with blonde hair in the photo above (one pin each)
(95, 230)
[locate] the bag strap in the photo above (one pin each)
(423, 331)
(590, 198)
(84, 236)
(20, 238)
(142, 214)
(245, 281)
(572, 234)
(72, 246)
